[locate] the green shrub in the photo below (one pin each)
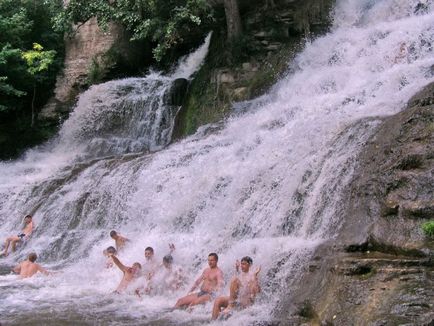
(428, 229)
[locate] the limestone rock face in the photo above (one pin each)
(86, 48)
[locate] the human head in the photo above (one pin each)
(136, 268)
(246, 262)
(167, 261)
(27, 219)
(110, 250)
(32, 257)
(149, 253)
(212, 260)
(113, 234)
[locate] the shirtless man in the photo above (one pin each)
(28, 268)
(151, 264)
(120, 241)
(212, 283)
(130, 273)
(243, 290)
(12, 240)
(108, 252)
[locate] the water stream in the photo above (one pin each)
(267, 184)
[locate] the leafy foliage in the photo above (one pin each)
(24, 68)
(428, 229)
(166, 23)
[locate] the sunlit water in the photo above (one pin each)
(267, 184)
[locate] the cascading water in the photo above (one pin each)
(267, 185)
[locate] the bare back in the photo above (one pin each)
(212, 279)
(28, 269)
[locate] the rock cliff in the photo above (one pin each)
(380, 269)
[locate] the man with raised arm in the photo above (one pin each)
(212, 282)
(23, 235)
(28, 268)
(120, 241)
(130, 273)
(243, 290)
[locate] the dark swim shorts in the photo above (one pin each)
(21, 236)
(202, 293)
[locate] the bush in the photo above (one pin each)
(428, 229)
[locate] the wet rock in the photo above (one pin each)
(176, 93)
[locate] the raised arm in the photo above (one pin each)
(255, 288)
(118, 263)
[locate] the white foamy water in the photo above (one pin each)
(267, 185)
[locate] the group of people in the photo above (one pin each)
(157, 278)
(167, 277)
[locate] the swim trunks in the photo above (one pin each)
(21, 236)
(202, 293)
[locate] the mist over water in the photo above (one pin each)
(268, 184)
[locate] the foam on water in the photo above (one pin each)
(267, 185)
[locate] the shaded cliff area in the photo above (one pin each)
(380, 269)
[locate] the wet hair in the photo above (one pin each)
(32, 257)
(28, 216)
(247, 259)
(213, 254)
(138, 265)
(111, 250)
(168, 259)
(113, 233)
(149, 249)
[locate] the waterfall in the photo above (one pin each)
(268, 184)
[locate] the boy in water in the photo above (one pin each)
(24, 234)
(243, 290)
(120, 241)
(28, 268)
(151, 264)
(130, 273)
(212, 282)
(108, 252)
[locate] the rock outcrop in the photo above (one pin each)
(380, 269)
(89, 55)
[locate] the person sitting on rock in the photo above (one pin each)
(243, 290)
(120, 241)
(23, 235)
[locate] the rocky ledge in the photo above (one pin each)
(380, 269)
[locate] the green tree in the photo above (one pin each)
(38, 61)
(166, 23)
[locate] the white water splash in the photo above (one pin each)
(268, 185)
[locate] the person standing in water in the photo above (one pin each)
(23, 235)
(212, 282)
(243, 289)
(130, 273)
(120, 241)
(108, 252)
(28, 268)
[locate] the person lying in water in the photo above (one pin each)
(243, 290)
(108, 252)
(130, 273)
(120, 241)
(28, 268)
(23, 235)
(151, 265)
(212, 282)
(168, 278)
